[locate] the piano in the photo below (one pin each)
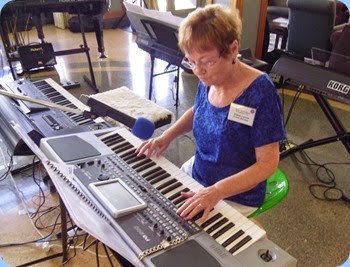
(38, 120)
(156, 234)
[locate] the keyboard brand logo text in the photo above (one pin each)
(339, 87)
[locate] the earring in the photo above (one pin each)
(233, 61)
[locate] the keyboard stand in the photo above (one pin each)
(322, 83)
(13, 57)
(84, 49)
(341, 135)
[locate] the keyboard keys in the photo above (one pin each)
(227, 226)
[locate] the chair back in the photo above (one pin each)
(339, 59)
(277, 9)
(310, 25)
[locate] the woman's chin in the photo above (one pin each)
(205, 82)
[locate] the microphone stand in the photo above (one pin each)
(84, 113)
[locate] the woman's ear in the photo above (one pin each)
(234, 49)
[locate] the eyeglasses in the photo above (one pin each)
(201, 63)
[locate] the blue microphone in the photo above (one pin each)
(143, 128)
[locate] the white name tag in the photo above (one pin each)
(241, 114)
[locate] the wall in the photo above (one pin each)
(250, 20)
(251, 37)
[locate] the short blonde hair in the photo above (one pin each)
(213, 26)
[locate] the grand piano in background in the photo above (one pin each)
(33, 9)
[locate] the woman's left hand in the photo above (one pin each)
(204, 200)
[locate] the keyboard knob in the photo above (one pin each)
(266, 256)
(103, 177)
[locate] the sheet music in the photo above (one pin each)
(165, 17)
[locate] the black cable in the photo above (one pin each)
(326, 189)
(40, 213)
(41, 191)
(43, 213)
(292, 106)
(328, 185)
(43, 239)
(73, 241)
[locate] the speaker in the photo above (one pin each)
(36, 56)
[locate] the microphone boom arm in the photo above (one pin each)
(42, 102)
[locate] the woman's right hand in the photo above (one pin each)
(154, 146)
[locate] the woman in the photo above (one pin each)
(236, 118)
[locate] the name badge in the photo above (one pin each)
(241, 114)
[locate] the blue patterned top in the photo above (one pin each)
(225, 147)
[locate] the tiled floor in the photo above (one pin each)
(315, 232)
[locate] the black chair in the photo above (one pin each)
(277, 9)
(311, 24)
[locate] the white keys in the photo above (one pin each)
(248, 231)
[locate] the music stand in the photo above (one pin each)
(166, 36)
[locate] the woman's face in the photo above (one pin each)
(210, 66)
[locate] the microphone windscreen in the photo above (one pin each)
(143, 128)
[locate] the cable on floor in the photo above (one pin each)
(326, 189)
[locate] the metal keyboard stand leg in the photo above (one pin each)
(64, 231)
(92, 82)
(341, 134)
(176, 79)
(96, 242)
(83, 49)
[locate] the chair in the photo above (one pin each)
(277, 9)
(310, 25)
(277, 188)
(340, 54)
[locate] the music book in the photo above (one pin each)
(136, 13)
